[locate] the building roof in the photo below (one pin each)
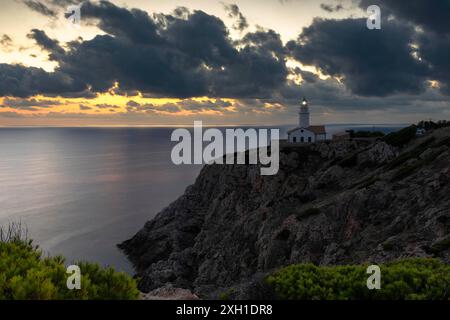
(317, 129)
(313, 129)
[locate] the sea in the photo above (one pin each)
(81, 191)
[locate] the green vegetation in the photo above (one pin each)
(26, 274)
(410, 279)
(430, 125)
(402, 137)
(227, 295)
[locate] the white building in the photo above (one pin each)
(305, 133)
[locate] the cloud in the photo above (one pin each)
(431, 15)
(189, 54)
(371, 63)
(50, 45)
(20, 81)
(49, 8)
(84, 107)
(10, 114)
(6, 42)
(234, 13)
(106, 106)
(331, 8)
(27, 104)
(170, 56)
(190, 105)
(40, 7)
(434, 49)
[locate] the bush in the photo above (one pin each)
(25, 274)
(402, 137)
(430, 125)
(417, 278)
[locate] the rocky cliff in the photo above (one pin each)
(331, 203)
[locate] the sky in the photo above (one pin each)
(241, 62)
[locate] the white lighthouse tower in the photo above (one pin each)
(303, 119)
(305, 133)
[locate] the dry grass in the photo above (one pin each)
(14, 232)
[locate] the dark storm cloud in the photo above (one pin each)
(189, 53)
(172, 56)
(134, 24)
(40, 7)
(431, 15)
(435, 50)
(64, 3)
(372, 62)
(21, 81)
(234, 13)
(434, 42)
(49, 8)
(50, 45)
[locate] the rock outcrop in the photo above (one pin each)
(168, 292)
(331, 203)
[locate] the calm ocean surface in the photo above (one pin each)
(81, 191)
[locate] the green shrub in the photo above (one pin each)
(26, 274)
(409, 279)
(402, 137)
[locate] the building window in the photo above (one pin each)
(302, 139)
(309, 139)
(295, 139)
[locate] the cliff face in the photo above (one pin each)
(331, 203)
